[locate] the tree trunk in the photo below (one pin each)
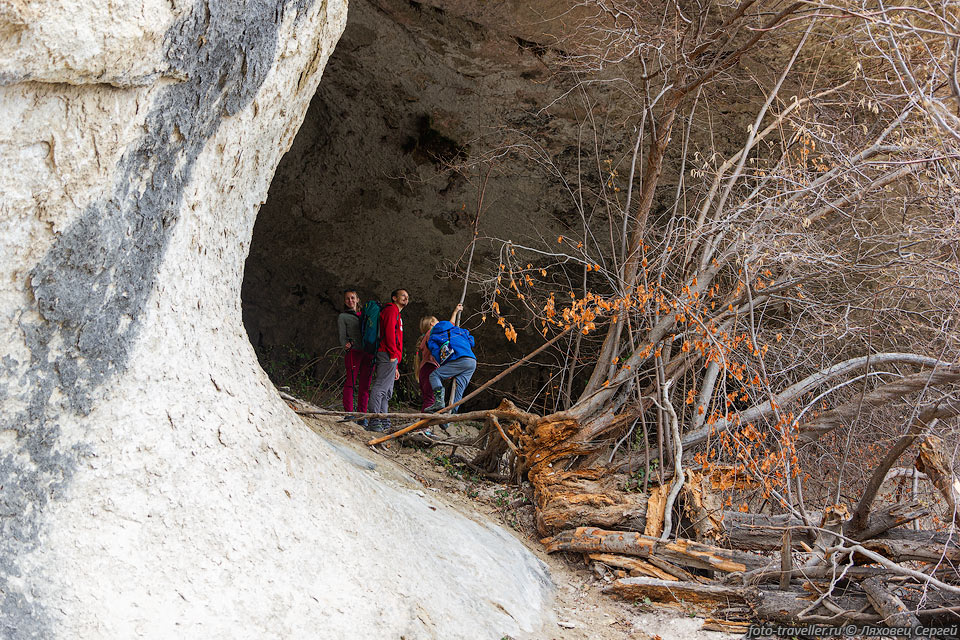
(567, 499)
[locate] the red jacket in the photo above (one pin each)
(391, 332)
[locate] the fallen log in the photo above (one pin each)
(765, 605)
(897, 568)
(762, 532)
(725, 626)
(507, 411)
(594, 497)
(888, 605)
(674, 570)
(682, 552)
(635, 566)
(640, 588)
(822, 572)
(878, 524)
(918, 546)
(931, 547)
(934, 461)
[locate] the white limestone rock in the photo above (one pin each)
(153, 484)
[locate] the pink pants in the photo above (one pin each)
(359, 365)
(426, 391)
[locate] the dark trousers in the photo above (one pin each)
(382, 389)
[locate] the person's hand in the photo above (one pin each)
(459, 308)
(396, 374)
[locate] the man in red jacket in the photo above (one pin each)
(388, 357)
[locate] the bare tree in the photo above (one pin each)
(786, 304)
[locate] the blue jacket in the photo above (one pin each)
(460, 341)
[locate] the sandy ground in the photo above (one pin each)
(581, 610)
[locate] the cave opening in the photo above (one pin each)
(377, 192)
(425, 110)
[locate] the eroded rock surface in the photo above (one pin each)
(153, 484)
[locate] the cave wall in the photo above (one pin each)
(153, 483)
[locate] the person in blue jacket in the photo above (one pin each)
(452, 346)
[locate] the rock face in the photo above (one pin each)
(152, 484)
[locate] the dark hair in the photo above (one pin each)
(396, 292)
(351, 289)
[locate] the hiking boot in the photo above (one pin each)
(438, 401)
(362, 422)
(374, 424)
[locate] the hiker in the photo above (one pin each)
(388, 358)
(425, 362)
(452, 346)
(358, 363)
